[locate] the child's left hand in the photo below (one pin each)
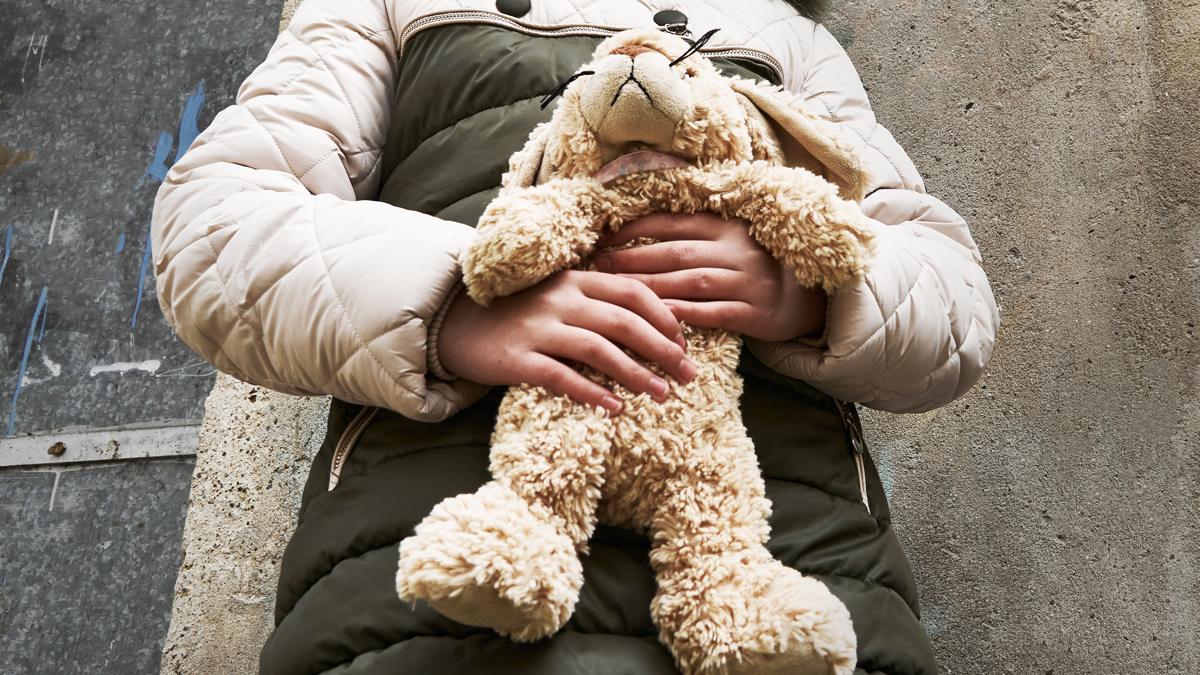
(712, 273)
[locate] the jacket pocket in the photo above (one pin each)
(346, 442)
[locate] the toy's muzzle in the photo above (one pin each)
(635, 96)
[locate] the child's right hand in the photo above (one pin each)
(574, 315)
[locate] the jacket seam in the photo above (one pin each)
(317, 163)
(345, 313)
(460, 120)
(355, 35)
(908, 296)
(341, 89)
(808, 571)
(274, 142)
(865, 139)
(239, 313)
(466, 197)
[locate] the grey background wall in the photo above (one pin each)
(1051, 515)
(96, 100)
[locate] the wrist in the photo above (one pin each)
(815, 305)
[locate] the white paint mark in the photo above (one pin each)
(54, 490)
(36, 46)
(28, 51)
(150, 366)
(53, 222)
(54, 368)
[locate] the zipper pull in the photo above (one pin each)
(849, 414)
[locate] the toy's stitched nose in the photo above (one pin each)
(632, 51)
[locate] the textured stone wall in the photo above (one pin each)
(251, 464)
(1050, 515)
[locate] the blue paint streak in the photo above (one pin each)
(42, 329)
(7, 251)
(189, 129)
(120, 243)
(188, 123)
(158, 166)
(141, 282)
(37, 312)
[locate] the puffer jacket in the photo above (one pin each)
(274, 263)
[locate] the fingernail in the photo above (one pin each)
(611, 404)
(658, 387)
(687, 369)
(681, 341)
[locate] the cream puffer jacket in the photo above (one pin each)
(274, 264)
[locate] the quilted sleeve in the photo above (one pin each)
(918, 330)
(271, 260)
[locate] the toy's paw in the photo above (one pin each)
(490, 559)
(528, 234)
(813, 634)
(727, 615)
(479, 605)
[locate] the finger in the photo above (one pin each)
(667, 256)
(730, 315)
(556, 376)
(699, 283)
(622, 327)
(597, 351)
(668, 226)
(638, 298)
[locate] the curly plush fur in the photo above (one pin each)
(682, 470)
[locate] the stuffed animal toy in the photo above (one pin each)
(649, 126)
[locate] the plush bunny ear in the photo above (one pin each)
(799, 138)
(525, 165)
(563, 147)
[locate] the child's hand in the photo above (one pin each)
(577, 315)
(712, 273)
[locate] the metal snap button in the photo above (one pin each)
(672, 20)
(516, 8)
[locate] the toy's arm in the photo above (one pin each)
(529, 233)
(799, 217)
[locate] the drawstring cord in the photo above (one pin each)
(696, 46)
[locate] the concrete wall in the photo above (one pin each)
(100, 404)
(1051, 515)
(255, 448)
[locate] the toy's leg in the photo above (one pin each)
(724, 604)
(506, 557)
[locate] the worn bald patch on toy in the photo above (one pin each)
(637, 162)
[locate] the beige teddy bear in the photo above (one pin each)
(649, 126)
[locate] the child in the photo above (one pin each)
(308, 242)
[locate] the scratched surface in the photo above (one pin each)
(97, 99)
(87, 565)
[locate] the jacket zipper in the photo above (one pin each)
(504, 21)
(850, 420)
(347, 441)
